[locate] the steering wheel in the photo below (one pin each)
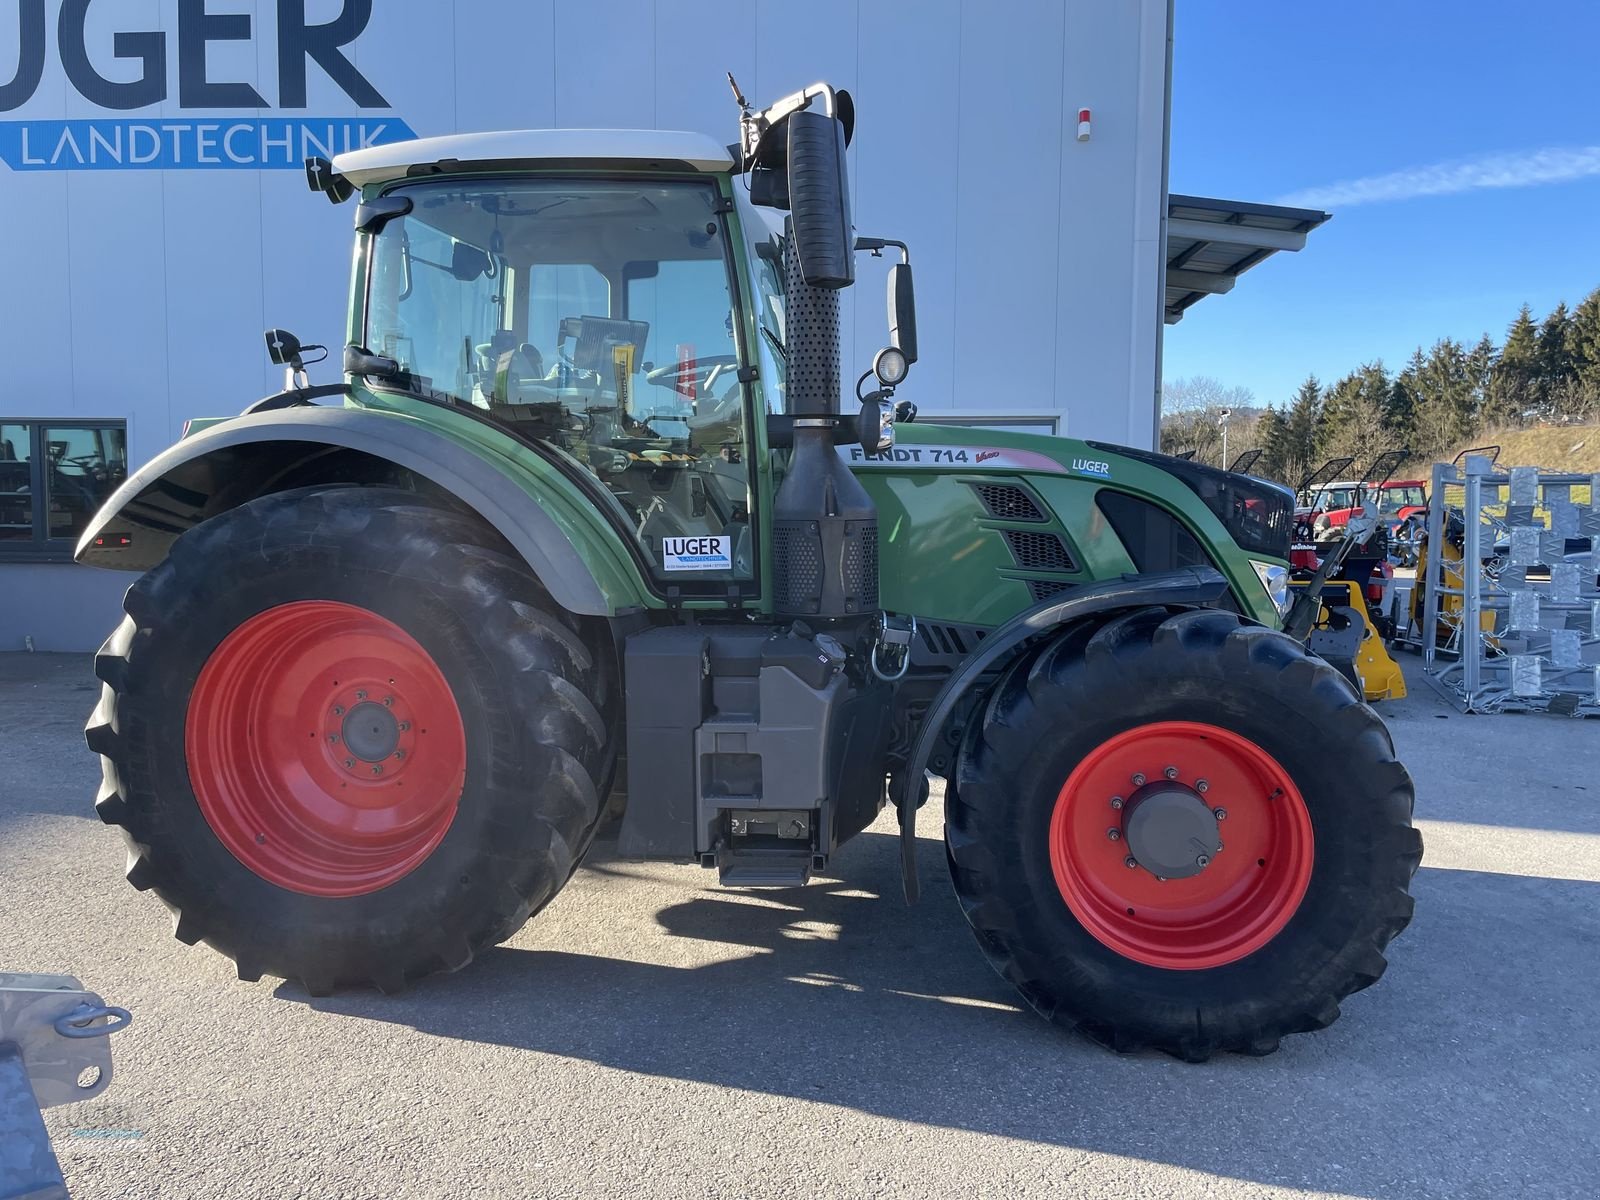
(684, 377)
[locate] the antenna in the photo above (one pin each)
(738, 96)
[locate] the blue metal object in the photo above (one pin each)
(76, 1024)
(28, 1166)
(52, 1051)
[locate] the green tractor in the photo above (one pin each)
(584, 536)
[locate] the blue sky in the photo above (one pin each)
(1279, 102)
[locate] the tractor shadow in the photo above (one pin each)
(1464, 1072)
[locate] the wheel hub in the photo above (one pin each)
(1170, 831)
(371, 731)
(326, 749)
(1129, 863)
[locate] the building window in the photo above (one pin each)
(54, 475)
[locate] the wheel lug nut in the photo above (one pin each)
(1201, 786)
(1220, 814)
(361, 695)
(377, 769)
(349, 762)
(1171, 772)
(404, 725)
(1116, 802)
(333, 739)
(338, 710)
(1130, 862)
(399, 753)
(1202, 861)
(1138, 780)
(1114, 834)
(388, 701)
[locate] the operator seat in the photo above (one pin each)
(503, 358)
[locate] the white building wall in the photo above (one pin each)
(143, 293)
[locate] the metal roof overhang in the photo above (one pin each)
(1210, 243)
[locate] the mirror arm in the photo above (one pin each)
(878, 245)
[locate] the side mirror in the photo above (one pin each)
(283, 348)
(875, 426)
(902, 311)
(321, 177)
(819, 200)
(372, 215)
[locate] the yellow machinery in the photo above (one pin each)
(1446, 635)
(1345, 635)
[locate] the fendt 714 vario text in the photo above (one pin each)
(584, 535)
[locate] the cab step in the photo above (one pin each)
(765, 868)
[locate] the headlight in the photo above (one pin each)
(1275, 579)
(890, 366)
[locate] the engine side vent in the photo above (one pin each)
(943, 643)
(1008, 502)
(1044, 589)
(1039, 551)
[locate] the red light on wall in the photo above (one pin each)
(1083, 124)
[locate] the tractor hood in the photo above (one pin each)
(1257, 514)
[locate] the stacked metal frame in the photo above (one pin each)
(1529, 557)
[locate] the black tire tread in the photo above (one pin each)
(553, 675)
(1043, 687)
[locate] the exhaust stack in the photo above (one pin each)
(824, 525)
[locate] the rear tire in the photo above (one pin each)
(285, 674)
(1263, 939)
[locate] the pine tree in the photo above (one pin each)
(1302, 426)
(1480, 372)
(1583, 353)
(1514, 387)
(1555, 361)
(1272, 433)
(1446, 399)
(1356, 415)
(1400, 410)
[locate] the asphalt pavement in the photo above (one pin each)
(651, 1035)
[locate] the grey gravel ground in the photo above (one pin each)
(649, 1035)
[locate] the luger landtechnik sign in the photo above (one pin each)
(223, 124)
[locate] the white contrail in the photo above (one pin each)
(1527, 168)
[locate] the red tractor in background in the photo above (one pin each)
(1397, 501)
(1311, 500)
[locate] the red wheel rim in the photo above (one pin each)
(325, 748)
(1242, 897)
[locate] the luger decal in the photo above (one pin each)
(205, 133)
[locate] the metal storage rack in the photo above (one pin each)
(1530, 558)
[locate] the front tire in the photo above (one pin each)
(1087, 852)
(349, 740)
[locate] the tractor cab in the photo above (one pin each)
(596, 315)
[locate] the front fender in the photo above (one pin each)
(249, 456)
(1190, 586)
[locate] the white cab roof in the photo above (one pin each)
(379, 164)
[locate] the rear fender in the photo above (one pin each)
(1185, 587)
(580, 561)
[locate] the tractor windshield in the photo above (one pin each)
(593, 315)
(1402, 495)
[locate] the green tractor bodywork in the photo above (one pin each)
(591, 400)
(944, 554)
